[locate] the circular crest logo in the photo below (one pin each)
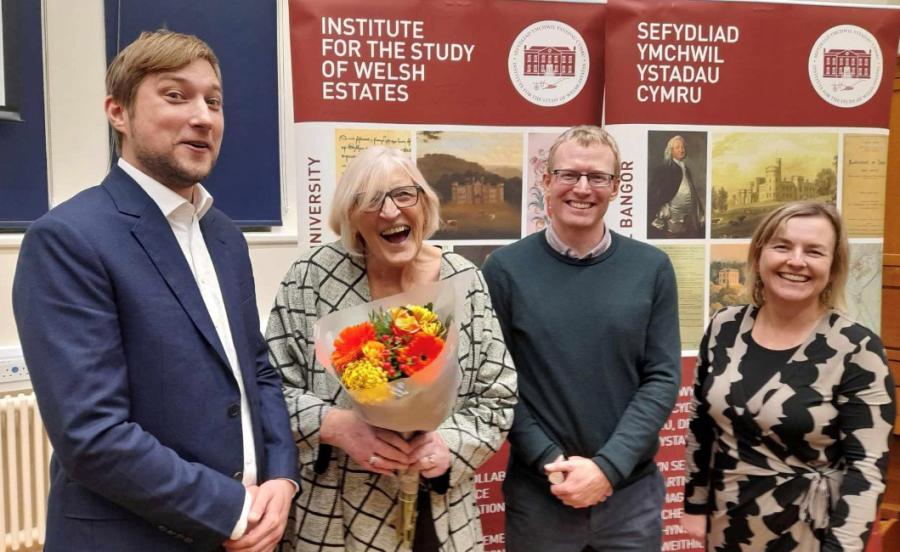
(548, 63)
(845, 66)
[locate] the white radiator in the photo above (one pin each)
(24, 474)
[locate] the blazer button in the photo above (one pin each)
(234, 410)
(238, 475)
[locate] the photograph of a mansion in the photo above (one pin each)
(774, 187)
(475, 191)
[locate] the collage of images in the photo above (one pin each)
(491, 194)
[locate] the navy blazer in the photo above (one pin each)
(139, 401)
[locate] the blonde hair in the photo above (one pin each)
(152, 52)
(833, 294)
(586, 135)
(368, 175)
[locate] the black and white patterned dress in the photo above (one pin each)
(798, 464)
(347, 507)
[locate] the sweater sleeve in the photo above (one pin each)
(866, 412)
(660, 375)
(529, 441)
(292, 353)
(700, 438)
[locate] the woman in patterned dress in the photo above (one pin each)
(793, 402)
(383, 210)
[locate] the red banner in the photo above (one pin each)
(705, 62)
(489, 496)
(671, 463)
(413, 61)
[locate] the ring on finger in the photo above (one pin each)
(373, 460)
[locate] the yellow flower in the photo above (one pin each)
(375, 395)
(433, 329)
(422, 314)
(404, 320)
(362, 374)
(373, 350)
(428, 320)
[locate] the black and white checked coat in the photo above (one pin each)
(347, 507)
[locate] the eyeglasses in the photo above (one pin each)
(403, 197)
(597, 179)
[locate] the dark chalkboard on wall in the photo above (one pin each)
(23, 139)
(246, 182)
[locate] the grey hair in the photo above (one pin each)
(670, 144)
(368, 175)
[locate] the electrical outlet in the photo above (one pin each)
(13, 373)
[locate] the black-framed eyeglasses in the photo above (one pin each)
(595, 179)
(403, 197)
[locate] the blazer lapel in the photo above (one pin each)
(153, 232)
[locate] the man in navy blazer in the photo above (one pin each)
(136, 310)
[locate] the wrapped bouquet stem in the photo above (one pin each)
(396, 359)
(408, 498)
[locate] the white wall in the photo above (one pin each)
(75, 67)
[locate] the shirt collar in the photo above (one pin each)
(165, 198)
(560, 247)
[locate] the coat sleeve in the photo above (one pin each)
(289, 334)
(278, 442)
(69, 325)
(484, 411)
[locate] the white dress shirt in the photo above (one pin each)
(184, 218)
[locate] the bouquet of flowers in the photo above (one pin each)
(396, 360)
(392, 345)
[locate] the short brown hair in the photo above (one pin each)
(152, 52)
(367, 176)
(586, 135)
(833, 295)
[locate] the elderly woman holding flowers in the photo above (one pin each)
(383, 210)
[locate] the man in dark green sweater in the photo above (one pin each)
(591, 319)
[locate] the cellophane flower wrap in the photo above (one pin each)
(410, 381)
(396, 359)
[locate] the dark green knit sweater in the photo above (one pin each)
(596, 347)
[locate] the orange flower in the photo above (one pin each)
(422, 351)
(348, 345)
(404, 321)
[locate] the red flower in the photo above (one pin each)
(422, 351)
(348, 345)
